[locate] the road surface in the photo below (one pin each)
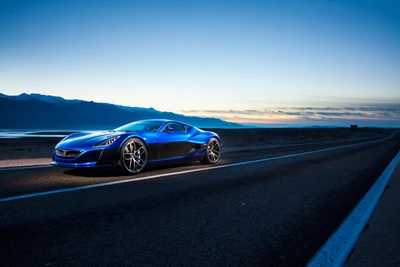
(274, 212)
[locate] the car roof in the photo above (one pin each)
(165, 120)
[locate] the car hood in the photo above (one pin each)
(85, 140)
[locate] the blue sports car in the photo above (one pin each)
(137, 144)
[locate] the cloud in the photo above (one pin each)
(231, 112)
(372, 112)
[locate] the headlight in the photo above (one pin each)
(108, 142)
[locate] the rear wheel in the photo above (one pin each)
(213, 151)
(134, 155)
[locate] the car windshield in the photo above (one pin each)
(140, 126)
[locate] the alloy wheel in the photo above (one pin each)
(213, 150)
(134, 155)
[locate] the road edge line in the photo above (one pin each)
(340, 244)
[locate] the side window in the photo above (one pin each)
(175, 127)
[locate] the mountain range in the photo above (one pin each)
(37, 111)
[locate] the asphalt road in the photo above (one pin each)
(270, 213)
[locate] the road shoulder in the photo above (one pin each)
(379, 244)
(9, 163)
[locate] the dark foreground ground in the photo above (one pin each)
(36, 147)
(270, 213)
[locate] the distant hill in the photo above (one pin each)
(36, 111)
(45, 98)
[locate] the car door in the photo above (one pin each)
(172, 141)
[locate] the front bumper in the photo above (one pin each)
(76, 165)
(88, 159)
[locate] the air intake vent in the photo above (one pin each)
(68, 153)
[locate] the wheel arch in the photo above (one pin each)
(204, 137)
(216, 136)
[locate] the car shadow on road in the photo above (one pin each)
(94, 172)
(117, 172)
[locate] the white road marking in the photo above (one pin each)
(339, 245)
(64, 190)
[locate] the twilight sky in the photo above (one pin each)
(261, 62)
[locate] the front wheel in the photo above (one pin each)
(213, 151)
(134, 156)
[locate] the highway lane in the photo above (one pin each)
(45, 179)
(271, 213)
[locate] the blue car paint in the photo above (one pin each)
(108, 156)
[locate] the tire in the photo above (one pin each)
(134, 156)
(213, 151)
